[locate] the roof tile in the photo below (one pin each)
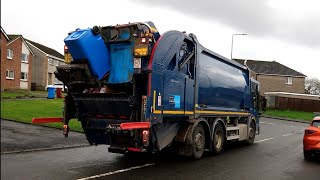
(46, 49)
(269, 67)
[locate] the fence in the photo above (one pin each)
(306, 105)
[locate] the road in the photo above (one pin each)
(276, 154)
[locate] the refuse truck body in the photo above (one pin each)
(138, 91)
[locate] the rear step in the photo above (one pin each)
(123, 150)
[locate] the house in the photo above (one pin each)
(44, 65)
(275, 77)
(4, 40)
(16, 59)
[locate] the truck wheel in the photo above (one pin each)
(252, 133)
(307, 155)
(198, 142)
(218, 139)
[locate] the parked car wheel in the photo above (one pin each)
(307, 155)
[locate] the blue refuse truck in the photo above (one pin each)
(137, 90)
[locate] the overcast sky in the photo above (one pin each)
(287, 31)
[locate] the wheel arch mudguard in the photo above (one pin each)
(185, 133)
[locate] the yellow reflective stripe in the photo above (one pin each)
(172, 112)
(154, 100)
(221, 112)
(189, 112)
(200, 112)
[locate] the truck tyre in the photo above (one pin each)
(218, 139)
(198, 142)
(252, 133)
(307, 155)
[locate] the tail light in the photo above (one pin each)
(308, 131)
(65, 130)
(145, 136)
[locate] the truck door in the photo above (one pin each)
(189, 86)
(174, 87)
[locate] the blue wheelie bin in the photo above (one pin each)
(51, 91)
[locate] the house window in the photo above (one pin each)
(24, 76)
(57, 63)
(9, 53)
(24, 58)
(9, 74)
(289, 80)
(51, 61)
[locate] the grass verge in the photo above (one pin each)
(25, 110)
(298, 115)
(12, 94)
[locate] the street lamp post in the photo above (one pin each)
(232, 41)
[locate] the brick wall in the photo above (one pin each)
(278, 84)
(13, 64)
(3, 59)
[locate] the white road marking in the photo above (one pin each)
(279, 124)
(263, 140)
(287, 134)
(117, 171)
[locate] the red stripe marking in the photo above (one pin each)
(46, 120)
(135, 125)
(152, 53)
(123, 117)
(150, 65)
(133, 149)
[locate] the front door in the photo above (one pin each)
(50, 79)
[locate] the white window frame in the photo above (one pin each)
(51, 61)
(57, 63)
(8, 54)
(27, 58)
(289, 80)
(8, 74)
(25, 78)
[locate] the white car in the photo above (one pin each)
(56, 85)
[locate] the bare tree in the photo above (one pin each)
(312, 86)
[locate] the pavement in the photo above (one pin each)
(20, 137)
